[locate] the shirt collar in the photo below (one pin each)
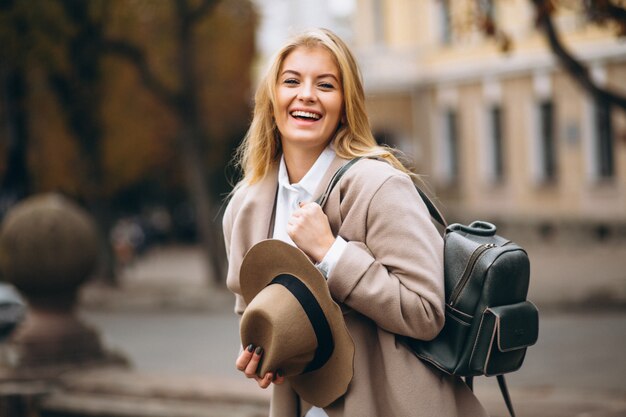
(311, 179)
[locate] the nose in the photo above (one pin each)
(307, 92)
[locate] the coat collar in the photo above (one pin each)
(262, 197)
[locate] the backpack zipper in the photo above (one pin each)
(468, 271)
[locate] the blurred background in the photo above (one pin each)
(513, 111)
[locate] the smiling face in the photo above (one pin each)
(309, 99)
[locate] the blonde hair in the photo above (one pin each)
(260, 148)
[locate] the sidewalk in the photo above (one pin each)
(176, 277)
(553, 402)
(165, 278)
(120, 392)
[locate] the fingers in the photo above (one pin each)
(309, 215)
(253, 364)
(248, 362)
(309, 207)
(279, 378)
(266, 380)
(310, 230)
(244, 358)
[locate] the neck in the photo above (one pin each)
(300, 161)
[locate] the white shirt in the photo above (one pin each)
(289, 195)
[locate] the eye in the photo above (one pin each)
(291, 81)
(326, 86)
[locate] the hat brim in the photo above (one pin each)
(270, 258)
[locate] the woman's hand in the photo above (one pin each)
(309, 229)
(248, 362)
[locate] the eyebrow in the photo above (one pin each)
(319, 76)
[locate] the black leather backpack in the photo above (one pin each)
(489, 322)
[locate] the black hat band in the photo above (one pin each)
(315, 314)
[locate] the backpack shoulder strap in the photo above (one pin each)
(432, 209)
(505, 394)
(469, 380)
(321, 200)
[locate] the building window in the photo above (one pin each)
(599, 133)
(486, 7)
(445, 21)
(379, 23)
(603, 143)
(385, 137)
(547, 145)
(449, 147)
(495, 127)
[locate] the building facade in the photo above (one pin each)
(503, 136)
(278, 19)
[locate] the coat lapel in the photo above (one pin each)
(250, 225)
(262, 197)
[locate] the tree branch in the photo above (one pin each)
(616, 13)
(136, 57)
(601, 10)
(573, 66)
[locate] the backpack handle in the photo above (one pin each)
(478, 228)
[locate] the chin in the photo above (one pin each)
(308, 141)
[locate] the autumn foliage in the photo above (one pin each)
(139, 131)
(120, 103)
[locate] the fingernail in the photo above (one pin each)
(250, 347)
(258, 350)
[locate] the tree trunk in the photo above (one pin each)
(199, 192)
(106, 268)
(185, 104)
(15, 183)
(194, 146)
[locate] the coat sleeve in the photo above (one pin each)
(395, 277)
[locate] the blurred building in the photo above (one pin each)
(280, 19)
(502, 136)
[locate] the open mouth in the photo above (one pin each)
(305, 115)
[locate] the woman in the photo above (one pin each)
(374, 241)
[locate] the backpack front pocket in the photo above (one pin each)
(503, 336)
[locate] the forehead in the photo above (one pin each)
(310, 59)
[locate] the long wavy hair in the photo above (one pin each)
(261, 147)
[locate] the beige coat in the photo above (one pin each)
(388, 281)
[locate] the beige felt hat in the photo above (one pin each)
(293, 317)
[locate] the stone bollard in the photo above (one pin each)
(48, 248)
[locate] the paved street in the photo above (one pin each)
(165, 320)
(574, 350)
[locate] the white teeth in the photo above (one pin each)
(309, 115)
